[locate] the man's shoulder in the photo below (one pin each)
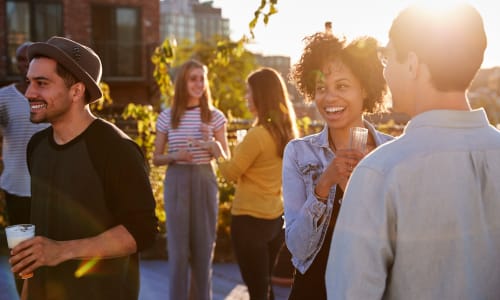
(8, 91)
(6, 88)
(389, 154)
(42, 133)
(106, 130)
(107, 136)
(36, 138)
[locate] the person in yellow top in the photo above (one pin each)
(256, 167)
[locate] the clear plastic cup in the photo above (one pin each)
(240, 135)
(359, 136)
(16, 234)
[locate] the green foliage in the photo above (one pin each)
(488, 101)
(145, 117)
(229, 63)
(105, 101)
(162, 59)
(390, 128)
(271, 10)
(226, 196)
(303, 125)
(156, 177)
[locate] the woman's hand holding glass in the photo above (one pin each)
(338, 171)
(183, 154)
(212, 146)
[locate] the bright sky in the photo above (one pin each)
(296, 19)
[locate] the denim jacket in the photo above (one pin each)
(307, 218)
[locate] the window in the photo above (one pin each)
(117, 39)
(28, 20)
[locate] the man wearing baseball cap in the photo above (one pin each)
(92, 202)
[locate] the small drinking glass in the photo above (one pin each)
(359, 136)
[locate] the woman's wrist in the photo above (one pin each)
(217, 151)
(322, 187)
(323, 199)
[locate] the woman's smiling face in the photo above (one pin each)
(196, 84)
(339, 96)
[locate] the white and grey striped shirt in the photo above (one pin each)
(189, 127)
(17, 130)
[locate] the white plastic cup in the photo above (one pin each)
(240, 134)
(359, 136)
(18, 233)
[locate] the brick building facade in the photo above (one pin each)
(123, 32)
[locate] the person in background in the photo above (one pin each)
(191, 192)
(17, 130)
(256, 166)
(92, 202)
(425, 224)
(345, 81)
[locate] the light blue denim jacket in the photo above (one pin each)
(307, 218)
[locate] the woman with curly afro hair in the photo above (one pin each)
(345, 81)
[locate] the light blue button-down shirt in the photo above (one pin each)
(307, 218)
(422, 219)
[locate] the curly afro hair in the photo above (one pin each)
(360, 56)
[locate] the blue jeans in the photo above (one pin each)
(256, 245)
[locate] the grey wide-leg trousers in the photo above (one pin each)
(191, 206)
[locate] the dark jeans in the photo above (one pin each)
(256, 243)
(18, 212)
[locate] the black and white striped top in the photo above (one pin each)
(17, 130)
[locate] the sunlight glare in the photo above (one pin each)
(284, 33)
(441, 5)
(85, 267)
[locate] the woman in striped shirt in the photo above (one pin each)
(190, 191)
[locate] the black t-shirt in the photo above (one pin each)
(81, 189)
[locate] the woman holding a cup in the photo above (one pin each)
(345, 81)
(255, 166)
(190, 192)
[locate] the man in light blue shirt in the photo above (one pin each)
(422, 222)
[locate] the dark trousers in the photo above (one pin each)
(18, 212)
(256, 243)
(311, 284)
